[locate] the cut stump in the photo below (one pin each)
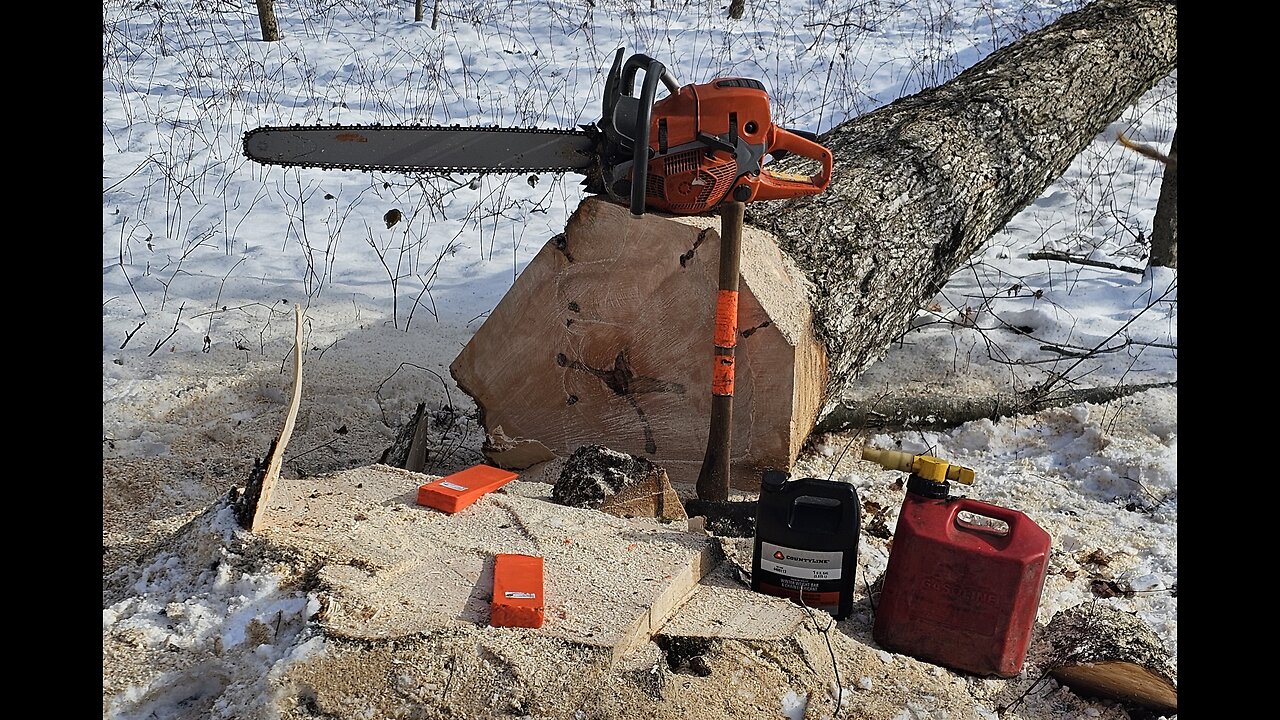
(1101, 651)
(607, 338)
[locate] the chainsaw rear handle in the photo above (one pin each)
(778, 153)
(780, 186)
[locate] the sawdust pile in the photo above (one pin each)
(201, 620)
(287, 668)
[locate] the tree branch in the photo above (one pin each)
(1064, 257)
(933, 412)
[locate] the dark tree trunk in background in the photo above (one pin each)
(1164, 231)
(921, 184)
(736, 8)
(267, 19)
(417, 11)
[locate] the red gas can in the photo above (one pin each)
(964, 579)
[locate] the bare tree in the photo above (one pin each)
(1164, 230)
(736, 8)
(267, 19)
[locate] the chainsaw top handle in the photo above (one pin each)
(640, 167)
(712, 142)
(626, 119)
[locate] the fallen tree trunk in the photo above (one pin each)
(934, 411)
(607, 335)
(919, 185)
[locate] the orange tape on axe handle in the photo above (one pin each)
(722, 375)
(727, 319)
(726, 339)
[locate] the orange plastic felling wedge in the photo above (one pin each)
(453, 492)
(517, 591)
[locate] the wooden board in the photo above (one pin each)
(723, 607)
(391, 568)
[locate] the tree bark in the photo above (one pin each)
(1101, 651)
(1164, 229)
(922, 183)
(939, 411)
(267, 19)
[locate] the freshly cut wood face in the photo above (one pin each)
(393, 569)
(607, 338)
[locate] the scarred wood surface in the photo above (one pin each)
(606, 338)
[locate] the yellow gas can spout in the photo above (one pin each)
(925, 466)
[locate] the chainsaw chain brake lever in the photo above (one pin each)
(618, 118)
(648, 94)
(626, 118)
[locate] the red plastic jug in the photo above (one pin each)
(964, 579)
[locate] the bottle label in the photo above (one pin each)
(807, 564)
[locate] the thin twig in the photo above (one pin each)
(1019, 699)
(839, 25)
(129, 335)
(826, 635)
(176, 321)
(1066, 257)
(1048, 385)
(150, 159)
(308, 451)
(378, 392)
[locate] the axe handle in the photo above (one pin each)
(713, 478)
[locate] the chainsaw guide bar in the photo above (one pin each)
(423, 148)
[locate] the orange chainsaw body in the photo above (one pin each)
(708, 143)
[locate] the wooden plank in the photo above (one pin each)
(391, 568)
(722, 607)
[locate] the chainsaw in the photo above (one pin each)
(698, 147)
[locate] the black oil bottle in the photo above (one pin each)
(806, 544)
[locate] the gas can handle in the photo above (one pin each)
(1010, 517)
